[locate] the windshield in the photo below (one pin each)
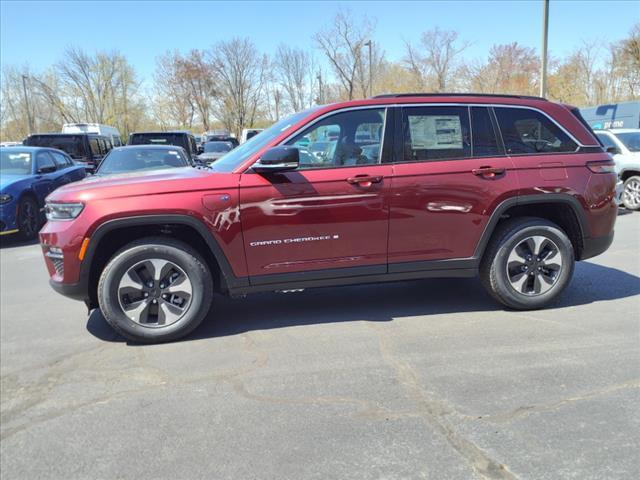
(235, 157)
(15, 163)
(631, 140)
(138, 159)
(217, 147)
(71, 144)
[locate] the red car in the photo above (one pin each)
(515, 189)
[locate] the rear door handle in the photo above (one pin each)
(364, 180)
(488, 172)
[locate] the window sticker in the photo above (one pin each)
(435, 132)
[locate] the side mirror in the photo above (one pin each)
(47, 169)
(613, 150)
(278, 159)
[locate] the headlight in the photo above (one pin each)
(5, 198)
(63, 211)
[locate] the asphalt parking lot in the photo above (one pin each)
(425, 379)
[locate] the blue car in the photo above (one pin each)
(27, 176)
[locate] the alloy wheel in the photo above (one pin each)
(534, 265)
(632, 193)
(28, 219)
(155, 293)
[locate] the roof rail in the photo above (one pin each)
(403, 95)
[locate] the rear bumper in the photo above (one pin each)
(596, 246)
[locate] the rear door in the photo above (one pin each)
(450, 172)
(329, 218)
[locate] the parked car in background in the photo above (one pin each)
(512, 189)
(220, 136)
(10, 144)
(140, 158)
(624, 146)
(105, 130)
(179, 138)
(85, 148)
(27, 176)
(248, 133)
(213, 151)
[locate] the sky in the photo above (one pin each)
(37, 33)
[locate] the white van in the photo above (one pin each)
(247, 133)
(97, 128)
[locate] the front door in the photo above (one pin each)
(328, 218)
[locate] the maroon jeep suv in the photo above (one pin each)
(513, 189)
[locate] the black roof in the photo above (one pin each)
(491, 95)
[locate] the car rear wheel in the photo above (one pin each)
(528, 263)
(155, 290)
(631, 193)
(28, 218)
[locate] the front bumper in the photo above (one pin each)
(8, 218)
(76, 291)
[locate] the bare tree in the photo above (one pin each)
(200, 82)
(241, 73)
(343, 44)
(173, 102)
(293, 71)
(435, 58)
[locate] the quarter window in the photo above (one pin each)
(526, 131)
(436, 133)
(95, 148)
(344, 139)
(485, 141)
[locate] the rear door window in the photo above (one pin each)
(44, 160)
(525, 131)
(436, 133)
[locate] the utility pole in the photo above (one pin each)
(26, 103)
(545, 35)
(368, 44)
(320, 96)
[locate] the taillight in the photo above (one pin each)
(602, 166)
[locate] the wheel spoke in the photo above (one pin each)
(180, 287)
(131, 281)
(519, 281)
(138, 311)
(156, 268)
(168, 313)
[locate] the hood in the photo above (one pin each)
(135, 184)
(8, 180)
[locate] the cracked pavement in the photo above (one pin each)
(425, 379)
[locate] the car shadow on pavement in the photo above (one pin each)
(380, 303)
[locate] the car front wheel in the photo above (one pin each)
(28, 218)
(631, 193)
(155, 290)
(528, 263)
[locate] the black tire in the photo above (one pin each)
(508, 236)
(28, 218)
(630, 193)
(179, 254)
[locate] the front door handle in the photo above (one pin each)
(364, 180)
(488, 172)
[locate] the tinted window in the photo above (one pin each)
(631, 140)
(60, 160)
(70, 144)
(44, 160)
(526, 131)
(95, 148)
(485, 141)
(344, 139)
(435, 133)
